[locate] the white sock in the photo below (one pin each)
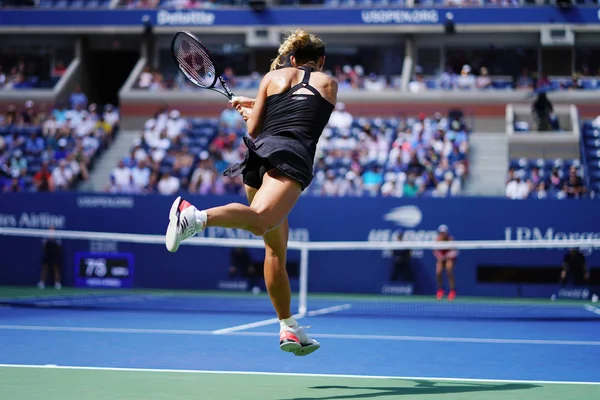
(289, 322)
(201, 219)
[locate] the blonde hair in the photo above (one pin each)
(295, 40)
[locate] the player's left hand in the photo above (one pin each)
(245, 112)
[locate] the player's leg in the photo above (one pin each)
(276, 277)
(439, 278)
(43, 275)
(57, 278)
(291, 337)
(451, 280)
(271, 204)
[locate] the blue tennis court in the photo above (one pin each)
(236, 355)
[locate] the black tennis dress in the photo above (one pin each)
(288, 141)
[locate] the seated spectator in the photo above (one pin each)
(111, 116)
(59, 69)
(517, 189)
(524, 81)
(556, 181)
(340, 118)
(176, 124)
(466, 80)
(18, 164)
(78, 98)
(417, 84)
(411, 189)
(372, 180)
(540, 191)
(574, 187)
(42, 180)
(17, 184)
(450, 186)
(121, 175)
(62, 176)
(34, 146)
(168, 184)
(145, 79)
(330, 186)
(203, 176)
(483, 81)
(374, 83)
(230, 119)
(429, 183)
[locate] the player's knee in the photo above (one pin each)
(261, 224)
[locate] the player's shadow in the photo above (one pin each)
(422, 387)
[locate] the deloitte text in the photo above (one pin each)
(400, 17)
(185, 18)
(523, 233)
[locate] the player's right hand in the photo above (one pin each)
(241, 101)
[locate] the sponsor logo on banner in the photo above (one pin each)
(105, 202)
(164, 17)
(296, 234)
(407, 218)
(401, 290)
(33, 220)
(524, 233)
(578, 294)
(400, 16)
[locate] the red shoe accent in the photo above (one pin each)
(452, 295)
(440, 294)
(183, 205)
(286, 336)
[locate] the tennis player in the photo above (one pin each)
(446, 259)
(291, 109)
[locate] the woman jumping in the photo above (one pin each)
(291, 109)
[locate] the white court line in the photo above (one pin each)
(593, 309)
(339, 376)
(316, 335)
(321, 311)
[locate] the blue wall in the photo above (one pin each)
(315, 219)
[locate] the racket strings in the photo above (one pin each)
(195, 61)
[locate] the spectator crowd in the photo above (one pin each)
(424, 156)
(52, 150)
(539, 179)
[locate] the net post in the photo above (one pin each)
(302, 307)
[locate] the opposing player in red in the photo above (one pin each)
(446, 259)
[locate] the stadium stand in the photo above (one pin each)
(28, 70)
(354, 77)
(74, 4)
(590, 143)
(53, 151)
(541, 179)
(355, 157)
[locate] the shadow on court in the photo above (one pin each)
(422, 387)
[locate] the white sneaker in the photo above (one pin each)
(57, 286)
(294, 340)
(182, 224)
(41, 285)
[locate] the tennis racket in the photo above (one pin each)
(196, 63)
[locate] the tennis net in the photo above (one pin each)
(494, 279)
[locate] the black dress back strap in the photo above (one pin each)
(305, 82)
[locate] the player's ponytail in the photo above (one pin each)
(296, 40)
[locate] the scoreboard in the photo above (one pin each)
(108, 270)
